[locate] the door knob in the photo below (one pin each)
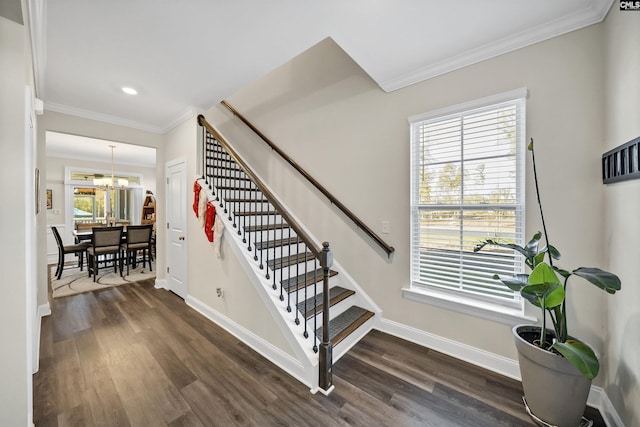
(181, 238)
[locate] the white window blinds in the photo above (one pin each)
(467, 186)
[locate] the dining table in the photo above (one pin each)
(86, 235)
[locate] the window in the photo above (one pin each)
(467, 185)
(89, 205)
(90, 202)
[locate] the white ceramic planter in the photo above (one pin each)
(555, 390)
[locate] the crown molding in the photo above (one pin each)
(37, 11)
(92, 115)
(188, 114)
(583, 18)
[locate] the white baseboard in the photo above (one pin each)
(43, 310)
(161, 284)
(491, 361)
(281, 359)
(499, 364)
(598, 399)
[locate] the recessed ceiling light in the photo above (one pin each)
(129, 91)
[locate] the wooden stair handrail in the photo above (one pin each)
(304, 236)
(387, 248)
(324, 254)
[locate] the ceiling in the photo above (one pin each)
(185, 56)
(12, 9)
(68, 146)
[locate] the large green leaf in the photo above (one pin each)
(530, 251)
(580, 355)
(555, 297)
(548, 294)
(564, 273)
(555, 254)
(532, 246)
(543, 273)
(515, 283)
(532, 298)
(545, 286)
(602, 279)
(511, 246)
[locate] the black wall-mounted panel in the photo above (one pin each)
(622, 163)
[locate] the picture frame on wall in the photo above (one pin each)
(37, 189)
(49, 198)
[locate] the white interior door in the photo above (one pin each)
(177, 227)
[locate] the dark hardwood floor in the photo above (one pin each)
(137, 356)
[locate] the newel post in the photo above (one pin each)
(326, 348)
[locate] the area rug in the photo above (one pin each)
(74, 281)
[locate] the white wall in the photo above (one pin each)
(15, 408)
(327, 114)
(622, 202)
(206, 272)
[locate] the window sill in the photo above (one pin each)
(484, 310)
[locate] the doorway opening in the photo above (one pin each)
(77, 168)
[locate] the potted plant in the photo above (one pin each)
(556, 368)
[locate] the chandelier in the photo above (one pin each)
(109, 184)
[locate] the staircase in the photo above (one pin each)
(310, 292)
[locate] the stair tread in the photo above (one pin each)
(292, 284)
(336, 294)
(219, 149)
(221, 158)
(239, 169)
(235, 187)
(232, 178)
(220, 169)
(265, 227)
(290, 260)
(269, 244)
(344, 324)
(217, 157)
(230, 188)
(245, 199)
(250, 213)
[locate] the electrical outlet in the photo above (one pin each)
(220, 292)
(386, 227)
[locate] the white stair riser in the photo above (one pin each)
(262, 236)
(242, 220)
(291, 271)
(223, 169)
(334, 311)
(223, 194)
(228, 181)
(269, 235)
(333, 281)
(275, 253)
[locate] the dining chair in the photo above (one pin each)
(78, 249)
(105, 241)
(138, 239)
